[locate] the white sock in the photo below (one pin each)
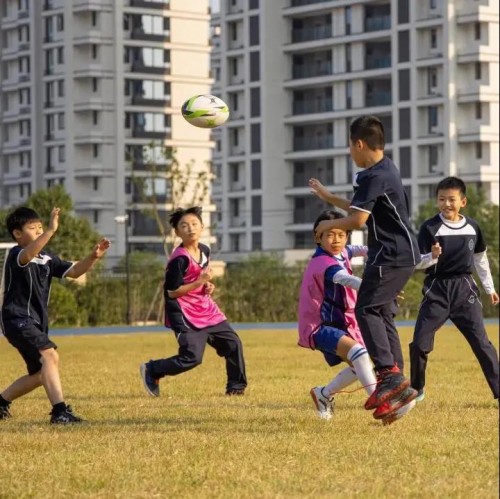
(358, 356)
(343, 379)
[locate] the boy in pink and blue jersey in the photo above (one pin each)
(327, 321)
(191, 312)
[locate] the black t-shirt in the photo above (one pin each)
(25, 289)
(391, 241)
(458, 241)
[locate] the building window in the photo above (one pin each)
(95, 117)
(60, 88)
(94, 51)
(256, 210)
(256, 174)
(94, 18)
(348, 20)
(477, 69)
(95, 183)
(477, 31)
(60, 121)
(60, 22)
(94, 85)
(433, 39)
(432, 4)
(433, 118)
(256, 241)
(60, 55)
(479, 111)
(479, 150)
(61, 154)
(96, 217)
(95, 150)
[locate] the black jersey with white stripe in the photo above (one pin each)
(378, 190)
(25, 289)
(459, 242)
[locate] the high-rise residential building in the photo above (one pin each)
(296, 72)
(90, 92)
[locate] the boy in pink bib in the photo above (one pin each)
(191, 312)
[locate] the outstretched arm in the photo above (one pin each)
(32, 249)
(83, 266)
(319, 190)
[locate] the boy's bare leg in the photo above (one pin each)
(22, 386)
(51, 380)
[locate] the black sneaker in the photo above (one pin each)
(65, 417)
(4, 412)
(232, 391)
(390, 382)
(151, 384)
(392, 405)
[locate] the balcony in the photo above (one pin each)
(47, 5)
(140, 34)
(139, 100)
(141, 133)
(25, 141)
(23, 14)
(312, 143)
(145, 4)
(301, 3)
(140, 67)
(378, 62)
(377, 23)
(373, 99)
(25, 110)
(312, 106)
(23, 78)
(310, 34)
(24, 46)
(313, 70)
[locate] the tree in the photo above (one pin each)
(75, 237)
(184, 185)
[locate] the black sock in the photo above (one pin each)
(58, 408)
(3, 402)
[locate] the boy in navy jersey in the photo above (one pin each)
(24, 297)
(191, 312)
(449, 289)
(380, 202)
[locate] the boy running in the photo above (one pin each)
(380, 202)
(24, 297)
(449, 289)
(191, 312)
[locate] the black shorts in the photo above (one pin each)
(25, 335)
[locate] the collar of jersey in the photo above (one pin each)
(454, 225)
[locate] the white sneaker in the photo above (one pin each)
(324, 406)
(402, 411)
(420, 396)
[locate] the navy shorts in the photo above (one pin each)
(326, 340)
(25, 335)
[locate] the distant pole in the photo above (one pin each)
(123, 220)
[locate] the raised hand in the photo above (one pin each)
(318, 189)
(54, 219)
(101, 247)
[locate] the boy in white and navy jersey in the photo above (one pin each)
(381, 203)
(449, 289)
(24, 297)
(191, 312)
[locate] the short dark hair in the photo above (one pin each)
(20, 217)
(452, 183)
(176, 216)
(328, 215)
(369, 129)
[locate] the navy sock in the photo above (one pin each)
(3, 402)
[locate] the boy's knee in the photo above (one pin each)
(49, 356)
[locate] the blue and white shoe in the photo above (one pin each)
(151, 384)
(324, 406)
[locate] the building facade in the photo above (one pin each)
(90, 97)
(296, 72)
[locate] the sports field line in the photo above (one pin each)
(161, 329)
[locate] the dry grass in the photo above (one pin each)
(195, 442)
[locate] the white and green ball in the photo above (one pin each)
(205, 111)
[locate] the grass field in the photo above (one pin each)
(195, 442)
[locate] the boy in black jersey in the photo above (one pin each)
(380, 202)
(449, 289)
(24, 296)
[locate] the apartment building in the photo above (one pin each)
(90, 95)
(296, 72)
